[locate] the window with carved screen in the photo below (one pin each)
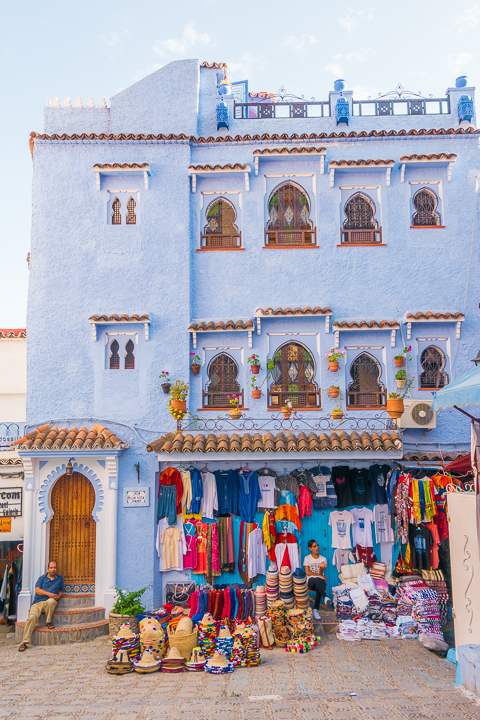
(222, 381)
(365, 389)
(114, 356)
(221, 230)
(129, 356)
(433, 375)
(131, 216)
(359, 212)
(289, 217)
(116, 214)
(425, 203)
(293, 378)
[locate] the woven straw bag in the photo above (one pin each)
(184, 643)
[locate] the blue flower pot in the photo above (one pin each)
(339, 85)
(225, 88)
(461, 81)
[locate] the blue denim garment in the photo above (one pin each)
(167, 504)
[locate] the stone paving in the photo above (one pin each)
(393, 679)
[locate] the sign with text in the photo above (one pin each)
(10, 502)
(5, 524)
(9, 432)
(136, 496)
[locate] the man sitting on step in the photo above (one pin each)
(48, 591)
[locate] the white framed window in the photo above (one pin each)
(426, 204)
(121, 351)
(220, 219)
(123, 207)
(365, 376)
(433, 363)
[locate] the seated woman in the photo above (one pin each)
(315, 565)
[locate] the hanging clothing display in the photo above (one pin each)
(362, 526)
(227, 491)
(341, 521)
(170, 476)
(248, 495)
(257, 554)
(383, 528)
(209, 502)
(267, 490)
(187, 489)
(341, 479)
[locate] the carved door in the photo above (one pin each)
(72, 529)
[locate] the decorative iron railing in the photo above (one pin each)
(360, 400)
(266, 110)
(298, 398)
(213, 241)
(361, 237)
(291, 238)
(220, 400)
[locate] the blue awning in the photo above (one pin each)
(464, 391)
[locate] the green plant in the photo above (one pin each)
(128, 603)
(394, 396)
(401, 374)
(334, 387)
(234, 400)
(180, 390)
(404, 354)
(253, 383)
(337, 409)
(165, 376)
(335, 355)
(288, 405)
(254, 360)
(195, 360)
(270, 365)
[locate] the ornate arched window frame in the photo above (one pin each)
(365, 388)
(114, 359)
(225, 383)
(360, 218)
(289, 216)
(116, 212)
(433, 362)
(426, 207)
(220, 229)
(293, 377)
(129, 357)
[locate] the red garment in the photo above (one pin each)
(365, 555)
(441, 522)
(305, 502)
(434, 546)
(284, 537)
(170, 476)
(286, 559)
(192, 601)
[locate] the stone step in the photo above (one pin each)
(63, 635)
(70, 602)
(75, 616)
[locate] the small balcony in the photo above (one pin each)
(361, 237)
(219, 400)
(365, 400)
(221, 242)
(291, 238)
(299, 399)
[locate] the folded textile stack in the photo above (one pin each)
(377, 630)
(440, 587)
(239, 657)
(249, 640)
(345, 606)
(378, 570)
(126, 640)
(374, 609)
(347, 630)
(389, 608)
(286, 587)
(197, 661)
(162, 616)
(224, 643)
(174, 662)
(405, 627)
(272, 587)
(426, 613)
(207, 633)
(260, 601)
(359, 598)
(218, 665)
(300, 589)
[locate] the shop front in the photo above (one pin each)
(11, 532)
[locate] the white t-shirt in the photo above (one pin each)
(267, 488)
(321, 483)
(341, 521)
(383, 527)
(362, 528)
(313, 564)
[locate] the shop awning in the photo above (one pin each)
(464, 391)
(462, 465)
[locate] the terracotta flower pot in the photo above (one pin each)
(235, 414)
(179, 405)
(256, 394)
(395, 407)
(286, 413)
(195, 369)
(255, 369)
(399, 361)
(334, 392)
(166, 387)
(401, 383)
(337, 414)
(333, 366)
(116, 621)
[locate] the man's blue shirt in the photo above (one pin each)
(53, 586)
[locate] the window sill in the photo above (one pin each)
(219, 409)
(427, 227)
(290, 247)
(350, 245)
(220, 249)
(366, 407)
(299, 409)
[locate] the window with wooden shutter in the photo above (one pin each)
(222, 381)
(116, 215)
(425, 203)
(114, 356)
(293, 378)
(360, 226)
(433, 376)
(289, 221)
(131, 216)
(365, 389)
(129, 356)
(221, 232)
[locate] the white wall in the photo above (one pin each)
(13, 379)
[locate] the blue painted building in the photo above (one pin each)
(192, 216)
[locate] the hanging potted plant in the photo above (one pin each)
(287, 409)
(235, 413)
(334, 391)
(178, 399)
(166, 385)
(395, 406)
(401, 377)
(337, 413)
(195, 364)
(334, 356)
(254, 361)
(256, 391)
(400, 359)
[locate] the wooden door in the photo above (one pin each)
(72, 529)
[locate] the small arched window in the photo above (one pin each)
(222, 381)
(114, 356)
(433, 376)
(129, 356)
(293, 377)
(289, 217)
(220, 230)
(116, 215)
(425, 203)
(360, 213)
(131, 216)
(365, 389)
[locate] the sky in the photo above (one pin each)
(94, 49)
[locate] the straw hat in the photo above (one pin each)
(174, 654)
(148, 663)
(224, 633)
(218, 660)
(184, 627)
(197, 656)
(125, 631)
(207, 619)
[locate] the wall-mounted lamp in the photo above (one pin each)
(477, 360)
(137, 468)
(69, 468)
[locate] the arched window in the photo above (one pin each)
(220, 230)
(114, 356)
(116, 215)
(222, 381)
(293, 377)
(131, 217)
(365, 390)
(129, 356)
(425, 203)
(433, 376)
(289, 217)
(360, 226)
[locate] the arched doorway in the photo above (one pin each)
(72, 529)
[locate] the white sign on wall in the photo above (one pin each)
(136, 496)
(10, 502)
(9, 432)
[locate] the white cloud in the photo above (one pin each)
(112, 42)
(340, 61)
(348, 24)
(334, 69)
(458, 64)
(354, 18)
(469, 19)
(190, 39)
(243, 67)
(301, 44)
(363, 92)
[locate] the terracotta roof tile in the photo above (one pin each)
(118, 318)
(213, 65)
(421, 456)
(262, 95)
(13, 333)
(338, 441)
(365, 324)
(47, 437)
(292, 151)
(212, 168)
(435, 316)
(285, 312)
(359, 163)
(432, 156)
(122, 166)
(212, 326)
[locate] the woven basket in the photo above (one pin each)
(115, 621)
(281, 643)
(183, 643)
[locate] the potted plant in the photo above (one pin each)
(166, 385)
(195, 364)
(256, 391)
(334, 391)
(235, 413)
(400, 359)
(178, 399)
(126, 608)
(337, 413)
(334, 356)
(395, 406)
(287, 409)
(254, 361)
(401, 377)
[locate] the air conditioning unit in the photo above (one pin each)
(418, 414)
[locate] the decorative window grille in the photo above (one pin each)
(114, 356)
(288, 217)
(360, 213)
(220, 230)
(433, 376)
(365, 390)
(222, 381)
(425, 203)
(129, 356)
(293, 377)
(131, 216)
(116, 215)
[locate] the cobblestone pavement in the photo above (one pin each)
(393, 679)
